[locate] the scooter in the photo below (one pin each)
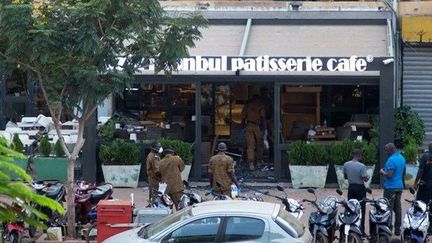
(416, 221)
(87, 196)
(161, 200)
(322, 222)
(380, 218)
(349, 221)
(55, 191)
(189, 197)
(294, 207)
(13, 231)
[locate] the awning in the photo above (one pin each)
(294, 40)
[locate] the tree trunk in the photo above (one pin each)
(70, 198)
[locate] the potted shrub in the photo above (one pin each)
(183, 150)
(307, 164)
(120, 163)
(341, 152)
(50, 167)
(410, 152)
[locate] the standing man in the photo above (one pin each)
(254, 116)
(170, 168)
(424, 178)
(393, 173)
(221, 169)
(152, 162)
(355, 172)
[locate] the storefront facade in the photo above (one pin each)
(311, 56)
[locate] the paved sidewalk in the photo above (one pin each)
(141, 195)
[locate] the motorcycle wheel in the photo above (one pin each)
(354, 238)
(12, 237)
(91, 232)
(383, 237)
(321, 238)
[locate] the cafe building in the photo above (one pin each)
(333, 71)
(330, 71)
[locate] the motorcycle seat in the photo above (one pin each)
(101, 192)
(54, 190)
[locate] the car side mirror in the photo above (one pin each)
(339, 191)
(280, 188)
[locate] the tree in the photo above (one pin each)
(71, 50)
(408, 125)
(18, 192)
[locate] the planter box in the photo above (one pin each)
(122, 175)
(185, 173)
(410, 175)
(51, 169)
(43, 237)
(308, 176)
(343, 184)
(22, 163)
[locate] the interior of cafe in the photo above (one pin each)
(316, 113)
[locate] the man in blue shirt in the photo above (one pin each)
(393, 173)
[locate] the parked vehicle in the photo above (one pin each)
(239, 221)
(13, 231)
(162, 200)
(322, 222)
(380, 218)
(87, 196)
(55, 191)
(416, 221)
(349, 221)
(189, 197)
(294, 207)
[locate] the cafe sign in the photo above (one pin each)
(273, 64)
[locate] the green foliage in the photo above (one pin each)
(341, 152)
(45, 147)
(58, 149)
(410, 151)
(181, 148)
(17, 145)
(374, 131)
(408, 124)
(301, 153)
(120, 153)
(11, 191)
(107, 130)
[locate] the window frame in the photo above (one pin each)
(225, 223)
(168, 235)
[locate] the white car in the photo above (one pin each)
(221, 221)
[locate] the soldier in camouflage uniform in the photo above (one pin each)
(254, 116)
(170, 168)
(221, 170)
(152, 162)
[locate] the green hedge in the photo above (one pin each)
(120, 152)
(302, 153)
(181, 148)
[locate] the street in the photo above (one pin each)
(141, 196)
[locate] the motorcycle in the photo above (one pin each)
(349, 221)
(87, 196)
(189, 197)
(322, 222)
(13, 231)
(380, 218)
(293, 207)
(416, 221)
(161, 200)
(55, 191)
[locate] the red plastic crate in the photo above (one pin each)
(111, 212)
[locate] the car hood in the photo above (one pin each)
(127, 236)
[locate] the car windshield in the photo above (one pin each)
(150, 231)
(292, 221)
